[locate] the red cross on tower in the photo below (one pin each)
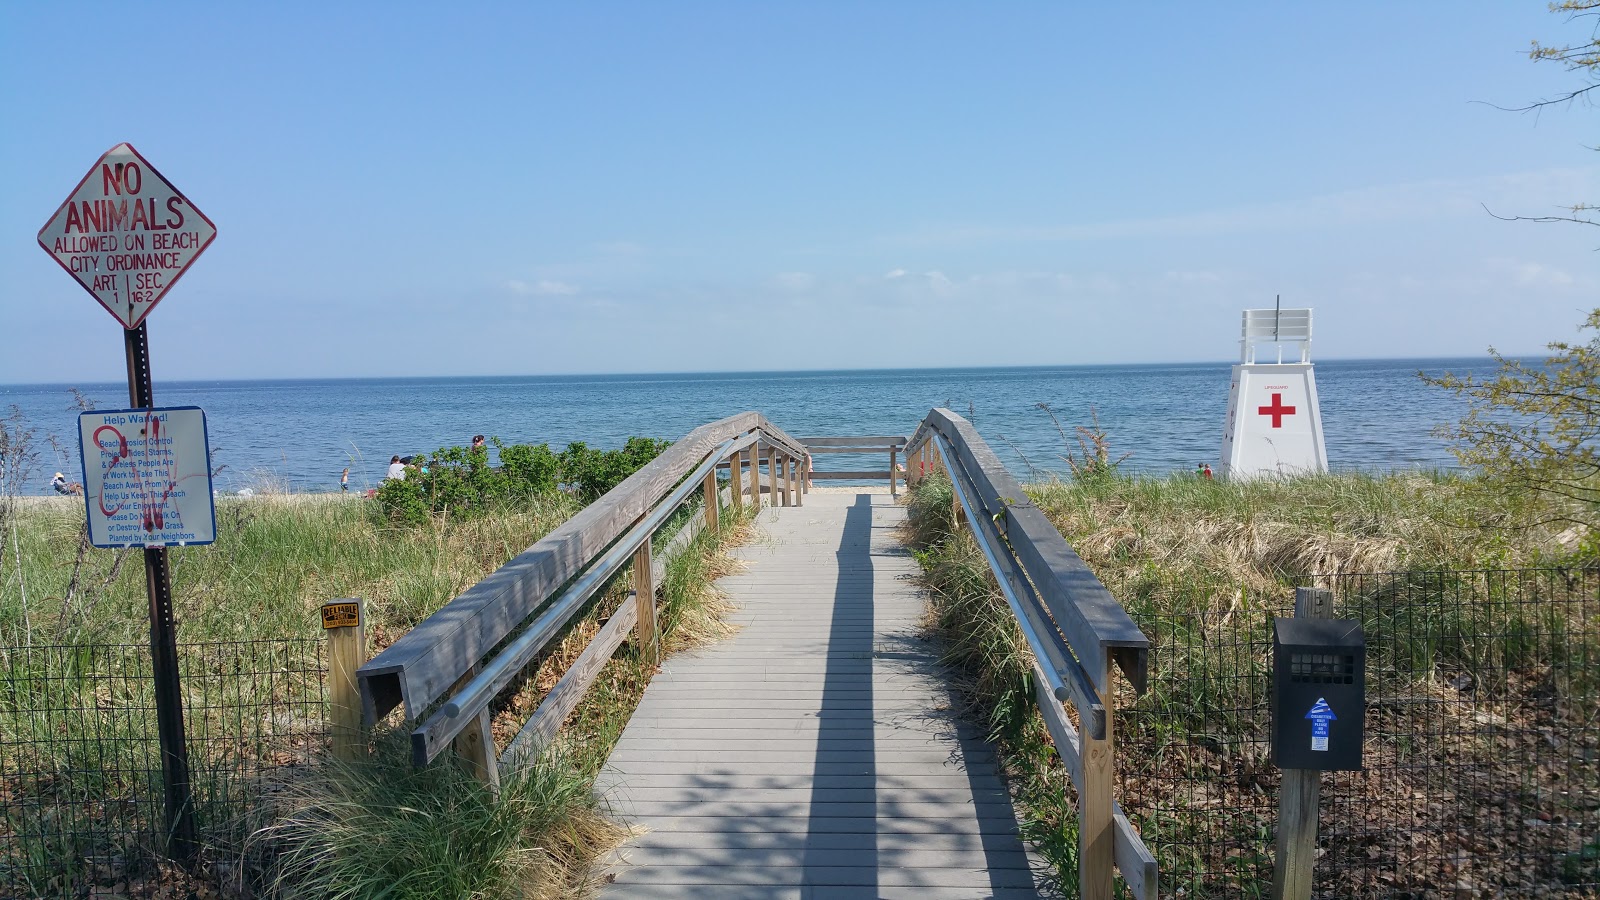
(1277, 410)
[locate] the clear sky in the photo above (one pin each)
(442, 189)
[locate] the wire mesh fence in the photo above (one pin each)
(80, 769)
(1482, 752)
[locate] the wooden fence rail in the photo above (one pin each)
(1074, 627)
(890, 444)
(442, 671)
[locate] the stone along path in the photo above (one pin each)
(813, 754)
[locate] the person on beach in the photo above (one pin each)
(1207, 470)
(62, 487)
(478, 442)
(344, 481)
(397, 469)
(1199, 470)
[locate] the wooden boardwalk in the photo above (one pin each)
(814, 754)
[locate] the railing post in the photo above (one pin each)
(805, 481)
(772, 474)
(710, 492)
(795, 483)
(644, 588)
(892, 492)
(344, 622)
(755, 476)
(783, 477)
(474, 746)
(1299, 795)
(736, 479)
(1096, 831)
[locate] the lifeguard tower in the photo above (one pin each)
(1274, 424)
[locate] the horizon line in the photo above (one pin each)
(752, 372)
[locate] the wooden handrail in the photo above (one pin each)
(424, 664)
(1073, 626)
(1095, 625)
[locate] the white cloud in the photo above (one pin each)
(895, 273)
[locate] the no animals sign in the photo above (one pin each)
(126, 234)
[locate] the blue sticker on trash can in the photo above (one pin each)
(1320, 715)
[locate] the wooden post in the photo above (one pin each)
(755, 476)
(710, 492)
(473, 748)
(805, 481)
(644, 589)
(1096, 831)
(1300, 794)
(783, 477)
(344, 622)
(772, 475)
(891, 473)
(794, 482)
(736, 480)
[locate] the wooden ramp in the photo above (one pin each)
(814, 754)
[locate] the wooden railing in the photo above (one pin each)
(1077, 631)
(443, 670)
(892, 445)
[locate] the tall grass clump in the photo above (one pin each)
(379, 828)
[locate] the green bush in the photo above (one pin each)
(590, 472)
(459, 483)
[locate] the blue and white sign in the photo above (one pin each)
(147, 477)
(1320, 715)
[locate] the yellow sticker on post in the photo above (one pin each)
(344, 614)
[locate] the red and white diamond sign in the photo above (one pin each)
(126, 234)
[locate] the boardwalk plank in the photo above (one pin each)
(814, 754)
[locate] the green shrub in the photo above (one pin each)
(590, 472)
(459, 483)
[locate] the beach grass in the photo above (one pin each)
(1201, 565)
(276, 560)
(68, 607)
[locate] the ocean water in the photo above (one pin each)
(299, 434)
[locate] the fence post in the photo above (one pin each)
(345, 624)
(796, 488)
(805, 481)
(736, 480)
(710, 491)
(783, 477)
(1299, 796)
(892, 492)
(644, 589)
(1096, 834)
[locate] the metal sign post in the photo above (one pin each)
(163, 640)
(127, 235)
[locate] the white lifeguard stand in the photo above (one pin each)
(1274, 423)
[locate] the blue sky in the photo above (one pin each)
(449, 189)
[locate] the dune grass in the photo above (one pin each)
(376, 828)
(1201, 565)
(276, 560)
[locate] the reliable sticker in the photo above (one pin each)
(341, 615)
(1320, 715)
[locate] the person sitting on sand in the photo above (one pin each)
(60, 484)
(397, 469)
